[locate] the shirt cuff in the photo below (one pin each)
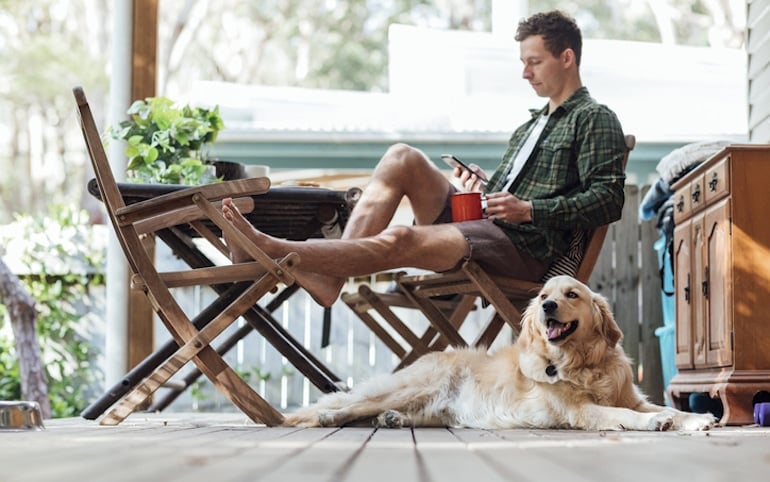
(538, 209)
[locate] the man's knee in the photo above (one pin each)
(397, 239)
(405, 155)
(400, 149)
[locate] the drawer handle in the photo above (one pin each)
(696, 194)
(713, 182)
(704, 286)
(680, 204)
(687, 290)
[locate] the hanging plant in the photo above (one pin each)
(167, 143)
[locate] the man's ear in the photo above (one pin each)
(567, 57)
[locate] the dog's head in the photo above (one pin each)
(567, 312)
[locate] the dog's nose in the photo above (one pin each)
(549, 306)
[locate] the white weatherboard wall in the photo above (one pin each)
(759, 70)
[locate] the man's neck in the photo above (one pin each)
(565, 93)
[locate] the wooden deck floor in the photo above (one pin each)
(227, 447)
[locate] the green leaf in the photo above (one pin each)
(152, 155)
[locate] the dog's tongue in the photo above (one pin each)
(555, 329)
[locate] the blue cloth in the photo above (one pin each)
(654, 199)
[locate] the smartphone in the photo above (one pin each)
(453, 161)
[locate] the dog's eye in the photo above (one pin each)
(571, 294)
(543, 296)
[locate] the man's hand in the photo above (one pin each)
(507, 207)
(470, 182)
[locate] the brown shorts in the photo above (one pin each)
(492, 249)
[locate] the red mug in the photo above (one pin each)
(466, 206)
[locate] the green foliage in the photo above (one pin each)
(62, 260)
(167, 143)
(10, 383)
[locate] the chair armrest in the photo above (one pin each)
(186, 197)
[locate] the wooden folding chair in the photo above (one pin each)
(446, 298)
(254, 279)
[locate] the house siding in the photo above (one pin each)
(758, 49)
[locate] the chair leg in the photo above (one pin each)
(490, 332)
(361, 308)
(433, 337)
(196, 347)
(494, 295)
(261, 320)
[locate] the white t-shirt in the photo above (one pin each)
(526, 150)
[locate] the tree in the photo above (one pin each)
(717, 23)
(339, 44)
(46, 47)
(21, 308)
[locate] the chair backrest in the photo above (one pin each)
(585, 248)
(108, 186)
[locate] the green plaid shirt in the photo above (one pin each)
(574, 176)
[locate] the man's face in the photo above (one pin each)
(545, 73)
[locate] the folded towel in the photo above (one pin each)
(679, 160)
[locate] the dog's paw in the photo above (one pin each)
(328, 418)
(391, 419)
(660, 422)
(695, 421)
(299, 421)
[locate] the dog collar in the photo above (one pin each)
(551, 371)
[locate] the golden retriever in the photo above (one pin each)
(565, 370)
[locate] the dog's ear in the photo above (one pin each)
(529, 321)
(609, 328)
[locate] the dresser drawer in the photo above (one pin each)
(717, 181)
(689, 199)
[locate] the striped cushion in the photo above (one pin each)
(570, 262)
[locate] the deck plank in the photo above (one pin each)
(328, 459)
(390, 454)
(439, 450)
(228, 447)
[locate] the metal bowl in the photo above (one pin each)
(20, 416)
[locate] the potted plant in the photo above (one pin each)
(168, 143)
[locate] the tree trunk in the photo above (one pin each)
(21, 308)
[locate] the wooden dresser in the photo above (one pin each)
(722, 281)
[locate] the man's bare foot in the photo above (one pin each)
(233, 214)
(324, 289)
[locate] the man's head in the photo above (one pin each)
(559, 32)
(550, 50)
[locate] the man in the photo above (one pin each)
(562, 171)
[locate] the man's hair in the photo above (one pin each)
(559, 32)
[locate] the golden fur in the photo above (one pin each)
(580, 378)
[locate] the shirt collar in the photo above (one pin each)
(577, 97)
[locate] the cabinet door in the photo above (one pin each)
(718, 287)
(698, 300)
(682, 283)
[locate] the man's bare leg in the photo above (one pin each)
(434, 247)
(402, 172)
